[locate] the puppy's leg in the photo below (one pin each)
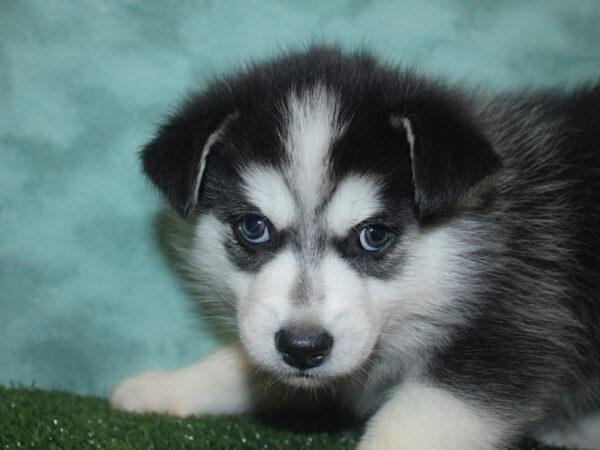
(423, 417)
(583, 434)
(219, 384)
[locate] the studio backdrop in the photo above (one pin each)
(86, 293)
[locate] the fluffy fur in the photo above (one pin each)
(476, 322)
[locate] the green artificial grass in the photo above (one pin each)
(31, 418)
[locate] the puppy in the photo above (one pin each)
(426, 258)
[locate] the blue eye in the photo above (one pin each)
(374, 237)
(254, 229)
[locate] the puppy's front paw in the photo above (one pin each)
(154, 391)
(420, 416)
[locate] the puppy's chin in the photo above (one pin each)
(304, 380)
(320, 377)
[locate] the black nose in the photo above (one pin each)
(303, 350)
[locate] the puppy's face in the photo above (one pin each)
(307, 232)
(306, 215)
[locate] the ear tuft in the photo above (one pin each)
(450, 159)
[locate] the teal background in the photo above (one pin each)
(86, 296)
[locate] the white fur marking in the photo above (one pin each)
(356, 199)
(265, 307)
(422, 417)
(313, 125)
(427, 282)
(418, 302)
(348, 313)
(209, 264)
(266, 189)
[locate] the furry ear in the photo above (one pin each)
(450, 158)
(176, 158)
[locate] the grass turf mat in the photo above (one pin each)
(31, 418)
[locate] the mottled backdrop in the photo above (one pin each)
(86, 295)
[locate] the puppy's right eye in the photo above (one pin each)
(254, 229)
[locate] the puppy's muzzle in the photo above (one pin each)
(303, 349)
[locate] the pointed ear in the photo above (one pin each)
(450, 158)
(176, 158)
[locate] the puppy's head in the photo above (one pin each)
(307, 180)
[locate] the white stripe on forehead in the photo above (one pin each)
(265, 188)
(312, 125)
(356, 198)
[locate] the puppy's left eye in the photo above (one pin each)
(374, 237)
(254, 229)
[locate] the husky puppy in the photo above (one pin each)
(428, 258)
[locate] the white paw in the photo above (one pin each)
(419, 416)
(154, 391)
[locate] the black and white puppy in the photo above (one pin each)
(427, 258)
